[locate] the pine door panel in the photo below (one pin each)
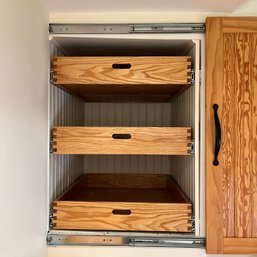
(231, 83)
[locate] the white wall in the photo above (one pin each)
(116, 251)
(23, 128)
(247, 9)
(130, 17)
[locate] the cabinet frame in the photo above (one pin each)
(198, 40)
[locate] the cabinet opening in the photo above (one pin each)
(178, 111)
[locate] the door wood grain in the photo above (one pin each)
(232, 84)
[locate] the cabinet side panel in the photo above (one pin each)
(65, 110)
(184, 112)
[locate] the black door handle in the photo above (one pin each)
(217, 135)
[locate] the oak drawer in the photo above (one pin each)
(128, 202)
(122, 140)
(114, 78)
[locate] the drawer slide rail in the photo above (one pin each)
(56, 28)
(124, 239)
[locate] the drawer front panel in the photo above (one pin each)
(122, 216)
(122, 70)
(122, 140)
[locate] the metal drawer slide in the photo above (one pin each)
(126, 28)
(124, 239)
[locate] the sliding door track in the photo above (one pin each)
(59, 237)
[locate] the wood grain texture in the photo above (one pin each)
(125, 187)
(214, 176)
(240, 245)
(149, 78)
(239, 25)
(236, 96)
(243, 145)
(254, 137)
(241, 220)
(155, 207)
(144, 70)
(99, 140)
(143, 217)
(228, 129)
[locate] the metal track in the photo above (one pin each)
(124, 239)
(126, 28)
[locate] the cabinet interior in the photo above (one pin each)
(180, 111)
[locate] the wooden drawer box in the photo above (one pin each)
(122, 140)
(122, 78)
(125, 202)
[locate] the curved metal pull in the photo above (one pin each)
(217, 135)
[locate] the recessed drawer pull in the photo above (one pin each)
(121, 212)
(121, 66)
(121, 136)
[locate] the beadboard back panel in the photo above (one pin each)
(70, 111)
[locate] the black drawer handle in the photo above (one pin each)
(121, 66)
(217, 135)
(121, 212)
(121, 136)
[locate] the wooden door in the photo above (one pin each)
(231, 92)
